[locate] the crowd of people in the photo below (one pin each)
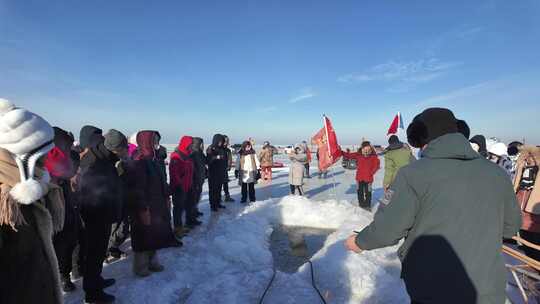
(67, 207)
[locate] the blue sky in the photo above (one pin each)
(270, 69)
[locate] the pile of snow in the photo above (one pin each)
(345, 277)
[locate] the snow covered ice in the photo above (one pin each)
(228, 259)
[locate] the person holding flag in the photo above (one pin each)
(367, 164)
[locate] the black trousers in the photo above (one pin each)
(214, 192)
(183, 203)
(226, 188)
(197, 194)
(79, 256)
(294, 188)
(64, 248)
(248, 187)
(364, 194)
(307, 170)
(95, 249)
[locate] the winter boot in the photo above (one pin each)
(221, 206)
(67, 285)
(141, 262)
(229, 199)
(368, 201)
(154, 265)
(106, 283)
(194, 223)
(116, 253)
(99, 298)
(180, 232)
(199, 214)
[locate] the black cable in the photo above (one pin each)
(313, 282)
(268, 287)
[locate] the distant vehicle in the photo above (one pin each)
(278, 165)
(349, 164)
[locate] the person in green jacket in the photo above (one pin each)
(396, 156)
(452, 208)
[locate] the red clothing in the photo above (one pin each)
(308, 152)
(366, 166)
(59, 164)
(181, 167)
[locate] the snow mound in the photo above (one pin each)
(342, 276)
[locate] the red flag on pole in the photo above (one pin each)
(396, 125)
(326, 141)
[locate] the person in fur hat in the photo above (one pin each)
(31, 210)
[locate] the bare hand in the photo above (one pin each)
(350, 244)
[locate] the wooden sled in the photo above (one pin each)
(528, 267)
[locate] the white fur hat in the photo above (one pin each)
(27, 137)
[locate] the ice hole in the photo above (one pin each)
(293, 246)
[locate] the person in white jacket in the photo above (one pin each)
(247, 171)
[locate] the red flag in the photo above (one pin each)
(326, 141)
(397, 123)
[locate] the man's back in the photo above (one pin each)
(453, 207)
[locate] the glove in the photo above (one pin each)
(236, 174)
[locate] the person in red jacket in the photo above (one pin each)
(181, 170)
(367, 165)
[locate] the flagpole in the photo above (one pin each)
(330, 156)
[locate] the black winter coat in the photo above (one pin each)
(200, 172)
(217, 161)
(100, 188)
(72, 219)
(150, 192)
(28, 267)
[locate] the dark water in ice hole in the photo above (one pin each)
(293, 246)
